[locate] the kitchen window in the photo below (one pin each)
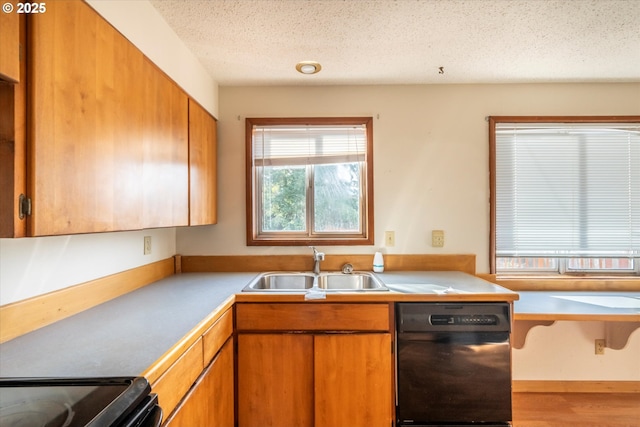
(565, 195)
(309, 181)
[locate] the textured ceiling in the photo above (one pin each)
(259, 42)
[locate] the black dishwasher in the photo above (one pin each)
(453, 364)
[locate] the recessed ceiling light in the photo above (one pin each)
(308, 67)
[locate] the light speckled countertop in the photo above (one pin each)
(125, 336)
(578, 305)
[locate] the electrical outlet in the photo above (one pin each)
(389, 238)
(437, 238)
(147, 245)
(600, 344)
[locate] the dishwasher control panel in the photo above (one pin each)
(463, 319)
(423, 317)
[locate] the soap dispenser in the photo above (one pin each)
(378, 263)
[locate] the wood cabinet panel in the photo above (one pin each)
(9, 47)
(353, 375)
(211, 401)
(203, 183)
(13, 148)
(108, 130)
(321, 378)
(165, 161)
(178, 379)
(275, 380)
(222, 388)
(84, 131)
(313, 317)
(216, 335)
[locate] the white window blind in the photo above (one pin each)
(303, 145)
(567, 190)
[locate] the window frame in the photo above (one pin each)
(286, 239)
(562, 271)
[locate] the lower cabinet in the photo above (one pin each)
(295, 364)
(198, 388)
(210, 400)
(275, 380)
(305, 376)
(353, 380)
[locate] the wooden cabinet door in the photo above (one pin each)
(222, 386)
(275, 380)
(210, 401)
(203, 191)
(9, 46)
(107, 129)
(353, 374)
(13, 145)
(177, 380)
(84, 110)
(165, 141)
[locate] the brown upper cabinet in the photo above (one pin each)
(108, 134)
(108, 130)
(13, 140)
(9, 47)
(202, 166)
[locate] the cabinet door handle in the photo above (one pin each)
(24, 207)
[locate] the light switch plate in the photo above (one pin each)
(389, 238)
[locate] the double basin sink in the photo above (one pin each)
(307, 281)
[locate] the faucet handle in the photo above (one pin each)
(317, 255)
(347, 268)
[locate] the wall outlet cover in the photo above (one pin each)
(437, 238)
(147, 245)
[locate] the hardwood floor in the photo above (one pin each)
(576, 409)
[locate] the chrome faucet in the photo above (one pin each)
(317, 257)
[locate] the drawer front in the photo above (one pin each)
(210, 402)
(313, 317)
(215, 337)
(178, 379)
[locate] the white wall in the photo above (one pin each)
(566, 351)
(34, 266)
(141, 23)
(431, 155)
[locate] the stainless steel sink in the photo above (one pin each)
(357, 281)
(284, 281)
(281, 281)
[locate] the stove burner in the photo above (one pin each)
(39, 413)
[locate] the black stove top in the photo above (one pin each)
(71, 402)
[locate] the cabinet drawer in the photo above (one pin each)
(313, 317)
(215, 337)
(178, 379)
(210, 402)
